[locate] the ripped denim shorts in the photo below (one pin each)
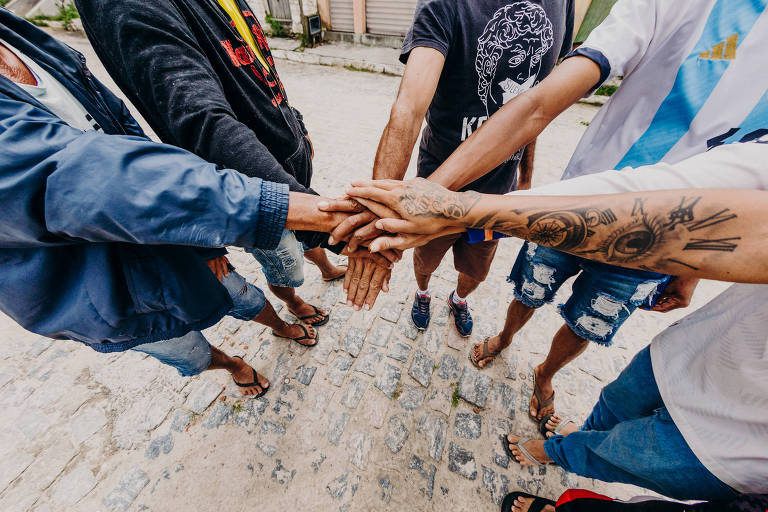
(283, 266)
(603, 296)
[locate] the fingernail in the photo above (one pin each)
(331, 240)
(322, 204)
(379, 224)
(349, 303)
(357, 308)
(345, 290)
(367, 307)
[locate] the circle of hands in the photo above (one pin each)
(384, 218)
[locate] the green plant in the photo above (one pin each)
(585, 123)
(455, 395)
(398, 391)
(3, 2)
(67, 14)
(606, 90)
(351, 67)
(276, 27)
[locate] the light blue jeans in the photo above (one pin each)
(191, 354)
(283, 266)
(631, 438)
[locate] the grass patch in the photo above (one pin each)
(237, 406)
(276, 27)
(398, 391)
(3, 2)
(585, 123)
(351, 67)
(455, 395)
(66, 15)
(606, 90)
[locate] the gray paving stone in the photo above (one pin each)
(386, 489)
(360, 445)
(440, 315)
(318, 462)
(407, 329)
(474, 387)
(512, 362)
(5, 378)
(467, 426)
(456, 341)
(368, 362)
(282, 367)
(251, 409)
(429, 475)
(322, 351)
(338, 369)
(353, 341)
(501, 460)
(397, 434)
(435, 429)
(202, 395)
(380, 333)
(181, 420)
(127, 490)
(304, 374)
(219, 415)
(391, 311)
(399, 352)
(461, 461)
(339, 486)
(270, 427)
(339, 318)
(448, 368)
(503, 398)
(320, 397)
(411, 398)
(497, 485)
(374, 409)
(282, 475)
(38, 346)
(439, 399)
(431, 340)
(353, 392)
(421, 368)
(337, 422)
(86, 423)
(161, 444)
(12, 466)
(73, 487)
(387, 379)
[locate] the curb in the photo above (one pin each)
(341, 62)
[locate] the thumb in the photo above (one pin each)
(339, 205)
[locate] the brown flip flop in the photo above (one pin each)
(486, 354)
(542, 402)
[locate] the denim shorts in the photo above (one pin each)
(248, 300)
(190, 354)
(283, 266)
(603, 296)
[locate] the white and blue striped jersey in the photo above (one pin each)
(695, 77)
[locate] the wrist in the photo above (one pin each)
(304, 214)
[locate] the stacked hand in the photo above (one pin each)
(413, 212)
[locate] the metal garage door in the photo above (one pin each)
(390, 17)
(342, 18)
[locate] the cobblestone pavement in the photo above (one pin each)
(376, 417)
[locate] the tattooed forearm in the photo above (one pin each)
(426, 199)
(641, 232)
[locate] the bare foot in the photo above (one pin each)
(569, 428)
(494, 345)
(523, 504)
(545, 389)
(295, 331)
(305, 309)
(535, 447)
(334, 273)
(244, 375)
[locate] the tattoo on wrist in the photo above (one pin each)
(425, 199)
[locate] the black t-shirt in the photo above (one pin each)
(494, 50)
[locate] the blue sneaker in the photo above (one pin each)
(420, 311)
(461, 317)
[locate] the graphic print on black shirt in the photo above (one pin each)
(494, 51)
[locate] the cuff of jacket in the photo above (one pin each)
(273, 213)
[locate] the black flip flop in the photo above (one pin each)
(251, 384)
(543, 425)
(300, 338)
(317, 313)
(537, 505)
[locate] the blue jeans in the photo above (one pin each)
(631, 438)
(283, 266)
(191, 354)
(603, 296)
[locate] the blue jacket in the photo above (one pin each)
(100, 232)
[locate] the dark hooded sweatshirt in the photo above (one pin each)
(200, 86)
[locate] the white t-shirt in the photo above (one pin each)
(712, 366)
(55, 96)
(695, 76)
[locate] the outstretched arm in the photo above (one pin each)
(517, 123)
(713, 234)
